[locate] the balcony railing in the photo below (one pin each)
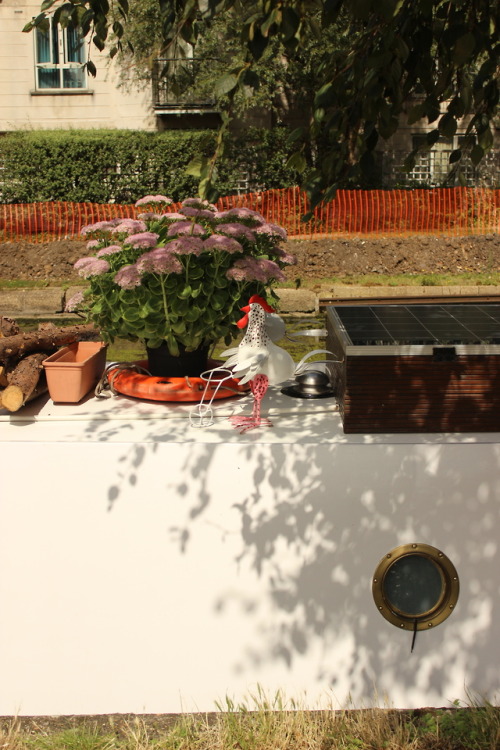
(173, 85)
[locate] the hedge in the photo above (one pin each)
(102, 166)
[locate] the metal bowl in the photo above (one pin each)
(310, 384)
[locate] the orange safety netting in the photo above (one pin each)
(450, 211)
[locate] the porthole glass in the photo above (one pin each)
(415, 586)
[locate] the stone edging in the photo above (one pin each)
(51, 301)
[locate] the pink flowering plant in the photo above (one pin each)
(180, 277)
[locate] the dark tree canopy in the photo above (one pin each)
(432, 59)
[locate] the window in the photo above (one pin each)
(60, 56)
(433, 165)
(415, 587)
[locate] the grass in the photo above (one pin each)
(263, 724)
(37, 283)
(370, 279)
(418, 279)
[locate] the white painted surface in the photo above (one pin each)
(106, 106)
(149, 566)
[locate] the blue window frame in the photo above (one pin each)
(60, 56)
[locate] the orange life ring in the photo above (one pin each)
(153, 388)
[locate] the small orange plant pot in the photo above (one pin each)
(74, 370)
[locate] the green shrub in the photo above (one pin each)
(121, 166)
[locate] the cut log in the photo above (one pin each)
(3, 376)
(40, 389)
(8, 327)
(13, 348)
(23, 380)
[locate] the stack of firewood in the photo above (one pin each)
(22, 376)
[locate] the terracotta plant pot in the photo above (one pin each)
(74, 370)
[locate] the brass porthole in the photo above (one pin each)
(415, 587)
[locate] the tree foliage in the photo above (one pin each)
(433, 59)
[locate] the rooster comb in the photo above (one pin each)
(255, 299)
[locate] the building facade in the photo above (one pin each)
(44, 86)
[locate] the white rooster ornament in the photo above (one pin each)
(257, 360)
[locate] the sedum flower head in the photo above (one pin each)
(129, 226)
(241, 212)
(142, 240)
(96, 267)
(288, 259)
(221, 242)
(128, 277)
(246, 269)
(82, 262)
(255, 269)
(100, 226)
(109, 250)
(173, 216)
(271, 270)
(151, 199)
(74, 302)
(199, 203)
(199, 213)
(186, 245)
(159, 260)
(185, 227)
(235, 229)
(271, 230)
(150, 216)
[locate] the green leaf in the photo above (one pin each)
(410, 161)
(173, 346)
(197, 165)
(118, 29)
(290, 22)
(372, 139)
(272, 18)
(331, 9)
(295, 134)
(251, 79)
(99, 43)
(193, 314)
(131, 314)
(154, 343)
(463, 49)
(485, 139)
(179, 327)
(476, 154)
(257, 45)
(448, 125)
(225, 84)
(324, 96)
(455, 156)
(432, 137)
(185, 292)
(296, 161)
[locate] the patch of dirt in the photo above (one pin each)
(344, 257)
(317, 258)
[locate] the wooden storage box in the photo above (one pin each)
(416, 368)
(74, 370)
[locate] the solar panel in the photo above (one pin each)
(433, 324)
